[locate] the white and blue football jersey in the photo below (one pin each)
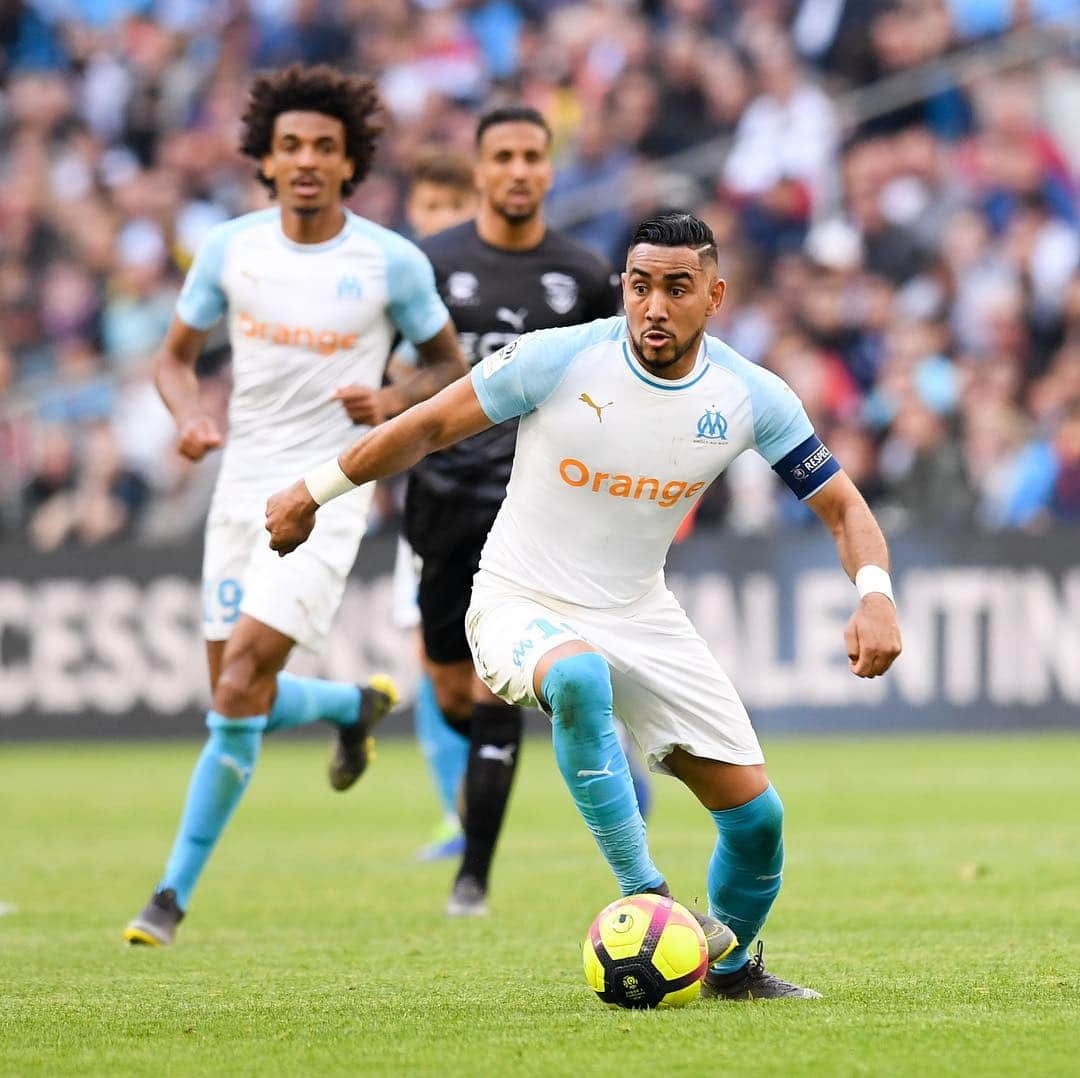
(303, 319)
(610, 458)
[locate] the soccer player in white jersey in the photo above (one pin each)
(625, 422)
(314, 296)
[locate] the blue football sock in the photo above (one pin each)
(639, 776)
(301, 700)
(218, 782)
(446, 751)
(746, 869)
(639, 772)
(593, 764)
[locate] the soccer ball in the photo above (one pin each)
(645, 951)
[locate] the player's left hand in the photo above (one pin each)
(290, 517)
(362, 404)
(872, 636)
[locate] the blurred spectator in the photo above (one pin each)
(780, 163)
(597, 159)
(304, 30)
(78, 392)
(906, 35)
(27, 41)
(140, 305)
(92, 501)
(835, 34)
(924, 469)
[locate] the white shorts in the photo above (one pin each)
(405, 612)
(669, 690)
(297, 595)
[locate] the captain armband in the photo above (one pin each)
(807, 468)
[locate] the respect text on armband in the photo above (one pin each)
(812, 462)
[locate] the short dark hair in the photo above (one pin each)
(447, 168)
(351, 99)
(677, 228)
(512, 114)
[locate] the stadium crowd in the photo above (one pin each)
(912, 269)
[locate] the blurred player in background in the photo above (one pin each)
(501, 275)
(442, 194)
(624, 424)
(314, 297)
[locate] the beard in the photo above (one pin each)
(517, 217)
(657, 365)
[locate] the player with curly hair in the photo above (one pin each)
(314, 296)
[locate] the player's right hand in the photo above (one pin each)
(290, 517)
(197, 437)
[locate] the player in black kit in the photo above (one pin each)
(504, 274)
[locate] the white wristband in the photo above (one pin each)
(327, 481)
(873, 578)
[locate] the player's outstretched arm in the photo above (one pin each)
(174, 376)
(446, 418)
(872, 635)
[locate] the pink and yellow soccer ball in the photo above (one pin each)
(645, 951)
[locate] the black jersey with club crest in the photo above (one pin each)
(494, 296)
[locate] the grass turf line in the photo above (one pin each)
(930, 893)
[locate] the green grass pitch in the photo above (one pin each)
(932, 892)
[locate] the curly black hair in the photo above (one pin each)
(352, 99)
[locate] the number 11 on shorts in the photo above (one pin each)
(548, 630)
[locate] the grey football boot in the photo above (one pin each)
(156, 925)
(753, 981)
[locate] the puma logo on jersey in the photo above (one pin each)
(513, 318)
(597, 408)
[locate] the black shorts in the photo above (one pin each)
(447, 534)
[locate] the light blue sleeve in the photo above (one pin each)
(202, 300)
(416, 307)
(780, 420)
(521, 376)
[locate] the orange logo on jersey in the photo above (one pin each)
(323, 341)
(576, 473)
